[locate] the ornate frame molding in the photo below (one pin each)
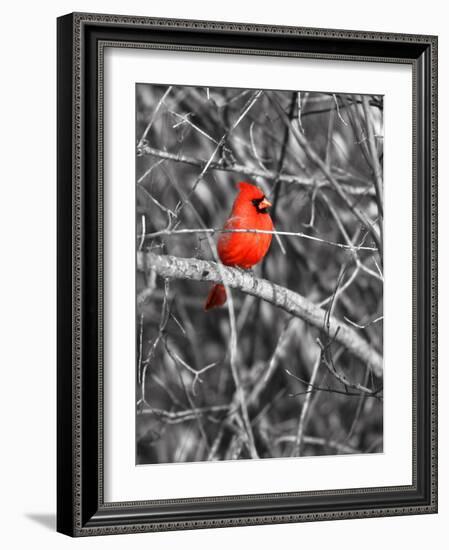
(81, 509)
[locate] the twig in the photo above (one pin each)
(254, 148)
(359, 409)
(147, 291)
(366, 325)
(315, 387)
(142, 236)
(312, 155)
(162, 324)
(298, 100)
(153, 116)
(148, 172)
(196, 373)
(176, 417)
(341, 377)
(213, 231)
(377, 171)
(280, 165)
(305, 408)
(164, 386)
(330, 133)
(351, 102)
(216, 443)
(251, 172)
(191, 404)
(318, 441)
(139, 365)
(155, 201)
(185, 120)
(220, 143)
(342, 288)
(278, 182)
(338, 110)
(277, 355)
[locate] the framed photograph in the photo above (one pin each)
(247, 274)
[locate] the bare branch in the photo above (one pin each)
(340, 376)
(153, 117)
(277, 356)
(196, 373)
(292, 302)
(366, 325)
(213, 231)
(318, 441)
(251, 172)
(313, 157)
(176, 417)
(375, 164)
(162, 324)
(305, 409)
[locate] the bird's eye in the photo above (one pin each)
(261, 205)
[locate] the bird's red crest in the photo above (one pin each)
(249, 188)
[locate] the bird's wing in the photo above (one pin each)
(225, 242)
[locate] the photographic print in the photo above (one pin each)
(259, 274)
(225, 192)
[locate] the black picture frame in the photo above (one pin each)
(81, 509)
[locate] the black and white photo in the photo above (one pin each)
(278, 195)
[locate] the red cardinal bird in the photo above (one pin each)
(249, 211)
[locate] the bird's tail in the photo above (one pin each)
(216, 297)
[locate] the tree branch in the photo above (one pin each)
(315, 159)
(297, 447)
(375, 164)
(145, 149)
(292, 302)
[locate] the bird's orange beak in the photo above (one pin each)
(264, 204)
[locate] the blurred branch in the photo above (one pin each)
(375, 164)
(185, 120)
(280, 166)
(305, 409)
(293, 303)
(373, 103)
(153, 116)
(165, 315)
(176, 417)
(366, 325)
(191, 402)
(328, 363)
(248, 106)
(278, 355)
(195, 373)
(349, 242)
(318, 441)
(315, 159)
(145, 149)
(337, 106)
